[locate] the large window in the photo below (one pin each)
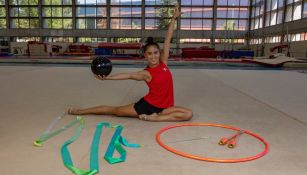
(257, 14)
(293, 10)
(24, 14)
(125, 14)
(198, 15)
(91, 14)
(158, 13)
(2, 14)
(57, 14)
(297, 11)
(196, 18)
(305, 9)
(232, 14)
(126, 17)
(274, 9)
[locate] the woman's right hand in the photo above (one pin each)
(99, 77)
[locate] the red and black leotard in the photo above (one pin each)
(161, 90)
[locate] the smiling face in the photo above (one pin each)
(152, 54)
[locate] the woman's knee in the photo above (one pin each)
(180, 113)
(187, 114)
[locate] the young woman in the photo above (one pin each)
(158, 104)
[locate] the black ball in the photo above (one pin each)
(101, 66)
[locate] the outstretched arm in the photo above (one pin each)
(169, 34)
(139, 76)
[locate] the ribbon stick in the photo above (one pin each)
(53, 123)
(48, 134)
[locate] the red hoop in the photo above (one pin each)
(264, 152)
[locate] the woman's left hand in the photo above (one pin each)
(177, 11)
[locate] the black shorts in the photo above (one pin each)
(143, 107)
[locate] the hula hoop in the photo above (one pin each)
(264, 152)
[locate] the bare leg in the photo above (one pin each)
(121, 111)
(169, 114)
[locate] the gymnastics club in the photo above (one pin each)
(232, 140)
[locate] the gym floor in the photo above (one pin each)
(270, 103)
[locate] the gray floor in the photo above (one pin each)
(270, 103)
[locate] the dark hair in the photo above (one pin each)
(150, 42)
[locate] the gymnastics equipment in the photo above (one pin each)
(232, 140)
(101, 66)
(117, 142)
(245, 159)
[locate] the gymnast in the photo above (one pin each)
(158, 104)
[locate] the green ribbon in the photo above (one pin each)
(116, 144)
(47, 134)
(94, 168)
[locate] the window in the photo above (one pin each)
(274, 4)
(194, 40)
(232, 14)
(24, 14)
(91, 14)
(267, 21)
(197, 15)
(297, 11)
(2, 14)
(273, 18)
(126, 14)
(289, 13)
(58, 39)
(57, 14)
(305, 9)
(279, 16)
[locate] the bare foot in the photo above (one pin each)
(146, 117)
(74, 111)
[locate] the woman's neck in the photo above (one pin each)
(153, 65)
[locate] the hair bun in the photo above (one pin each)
(150, 40)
